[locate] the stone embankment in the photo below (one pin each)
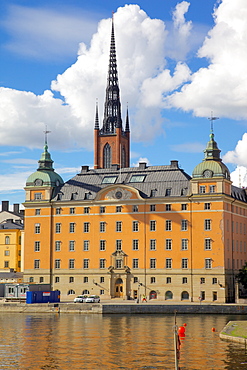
(123, 307)
(235, 331)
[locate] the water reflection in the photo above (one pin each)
(50, 341)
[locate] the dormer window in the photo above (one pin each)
(37, 196)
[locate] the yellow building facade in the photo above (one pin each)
(120, 231)
(10, 247)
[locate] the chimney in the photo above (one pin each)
(5, 205)
(142, 165)
(16, 208)
(174, 164)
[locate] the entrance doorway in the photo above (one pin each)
(119, 288)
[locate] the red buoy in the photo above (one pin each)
(213, 329)
(184, 324)
(181, 330)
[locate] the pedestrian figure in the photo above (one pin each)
(144, 298)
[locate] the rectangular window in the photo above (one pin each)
(208, 244)
(37, 246)
(58, 228)
(102, 210)
(208, 263)
(57, 264)
(184, 244)
(135, 226)
(86, 263)
(184, 225)
(86, 245)
(57, 245)
(183, 207)
(207, 205)
(118, 226)
(152, 263)
(37, 196)
(118, 209)
(202, 189)
(202, 280)
(36, 264)
(168, 225)
(168, 280)
(212, 188)
(102, 227)
(152, 225)
(119, 264)
(86, 209)
(37, 212)
(85, 279)
(102, 245)
(214, 281)
(6, 264)
(71, 263)
(7, 252)
(168, 244)
(57, 279)
(184, 280)
(152, 207)
(168, 263)
(134, 208)
(72, 210)
(71, 245)
(184, 264)
(152, 280)
(135, 263)
(207, 224)
(71, 279)
(58, 211)
(152, 244)
(135, 279)
(168, 192)
(102, 263)
(101, 292)
(135, 244)
(37, 228)
(168, 207)
(109, 179)
(86, 227)
(102, 279)
(72, 227)
(118, 245)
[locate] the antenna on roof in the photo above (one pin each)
(212, 119)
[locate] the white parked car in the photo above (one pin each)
(93, 299)
(80, 299)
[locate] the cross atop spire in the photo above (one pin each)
(46, 132)
(212, 119)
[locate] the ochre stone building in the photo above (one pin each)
(121, 231)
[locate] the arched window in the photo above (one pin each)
(71, 291)
(7, 240)
(123, 157)
(85, 291)
(184, 295)
(107, 156)
(168, 295)
(153, 294)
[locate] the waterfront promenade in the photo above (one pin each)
(119, 306)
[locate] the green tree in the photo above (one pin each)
(242, 276)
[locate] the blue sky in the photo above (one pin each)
(178, 61)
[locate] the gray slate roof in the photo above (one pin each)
(88, 183)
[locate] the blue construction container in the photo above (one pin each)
(43, 297)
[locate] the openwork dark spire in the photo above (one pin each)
(96, 126)
(127, 126)
(112, 112)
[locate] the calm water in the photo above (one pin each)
(73, 341)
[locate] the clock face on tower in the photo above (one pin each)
(208, 173)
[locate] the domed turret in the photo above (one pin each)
(45, 174)
(212, 165)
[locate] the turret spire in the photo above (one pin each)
(96, 126)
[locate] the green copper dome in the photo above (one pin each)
(212, 165)
(45, 174)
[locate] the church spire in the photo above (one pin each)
(112, 112)
(96, 126)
